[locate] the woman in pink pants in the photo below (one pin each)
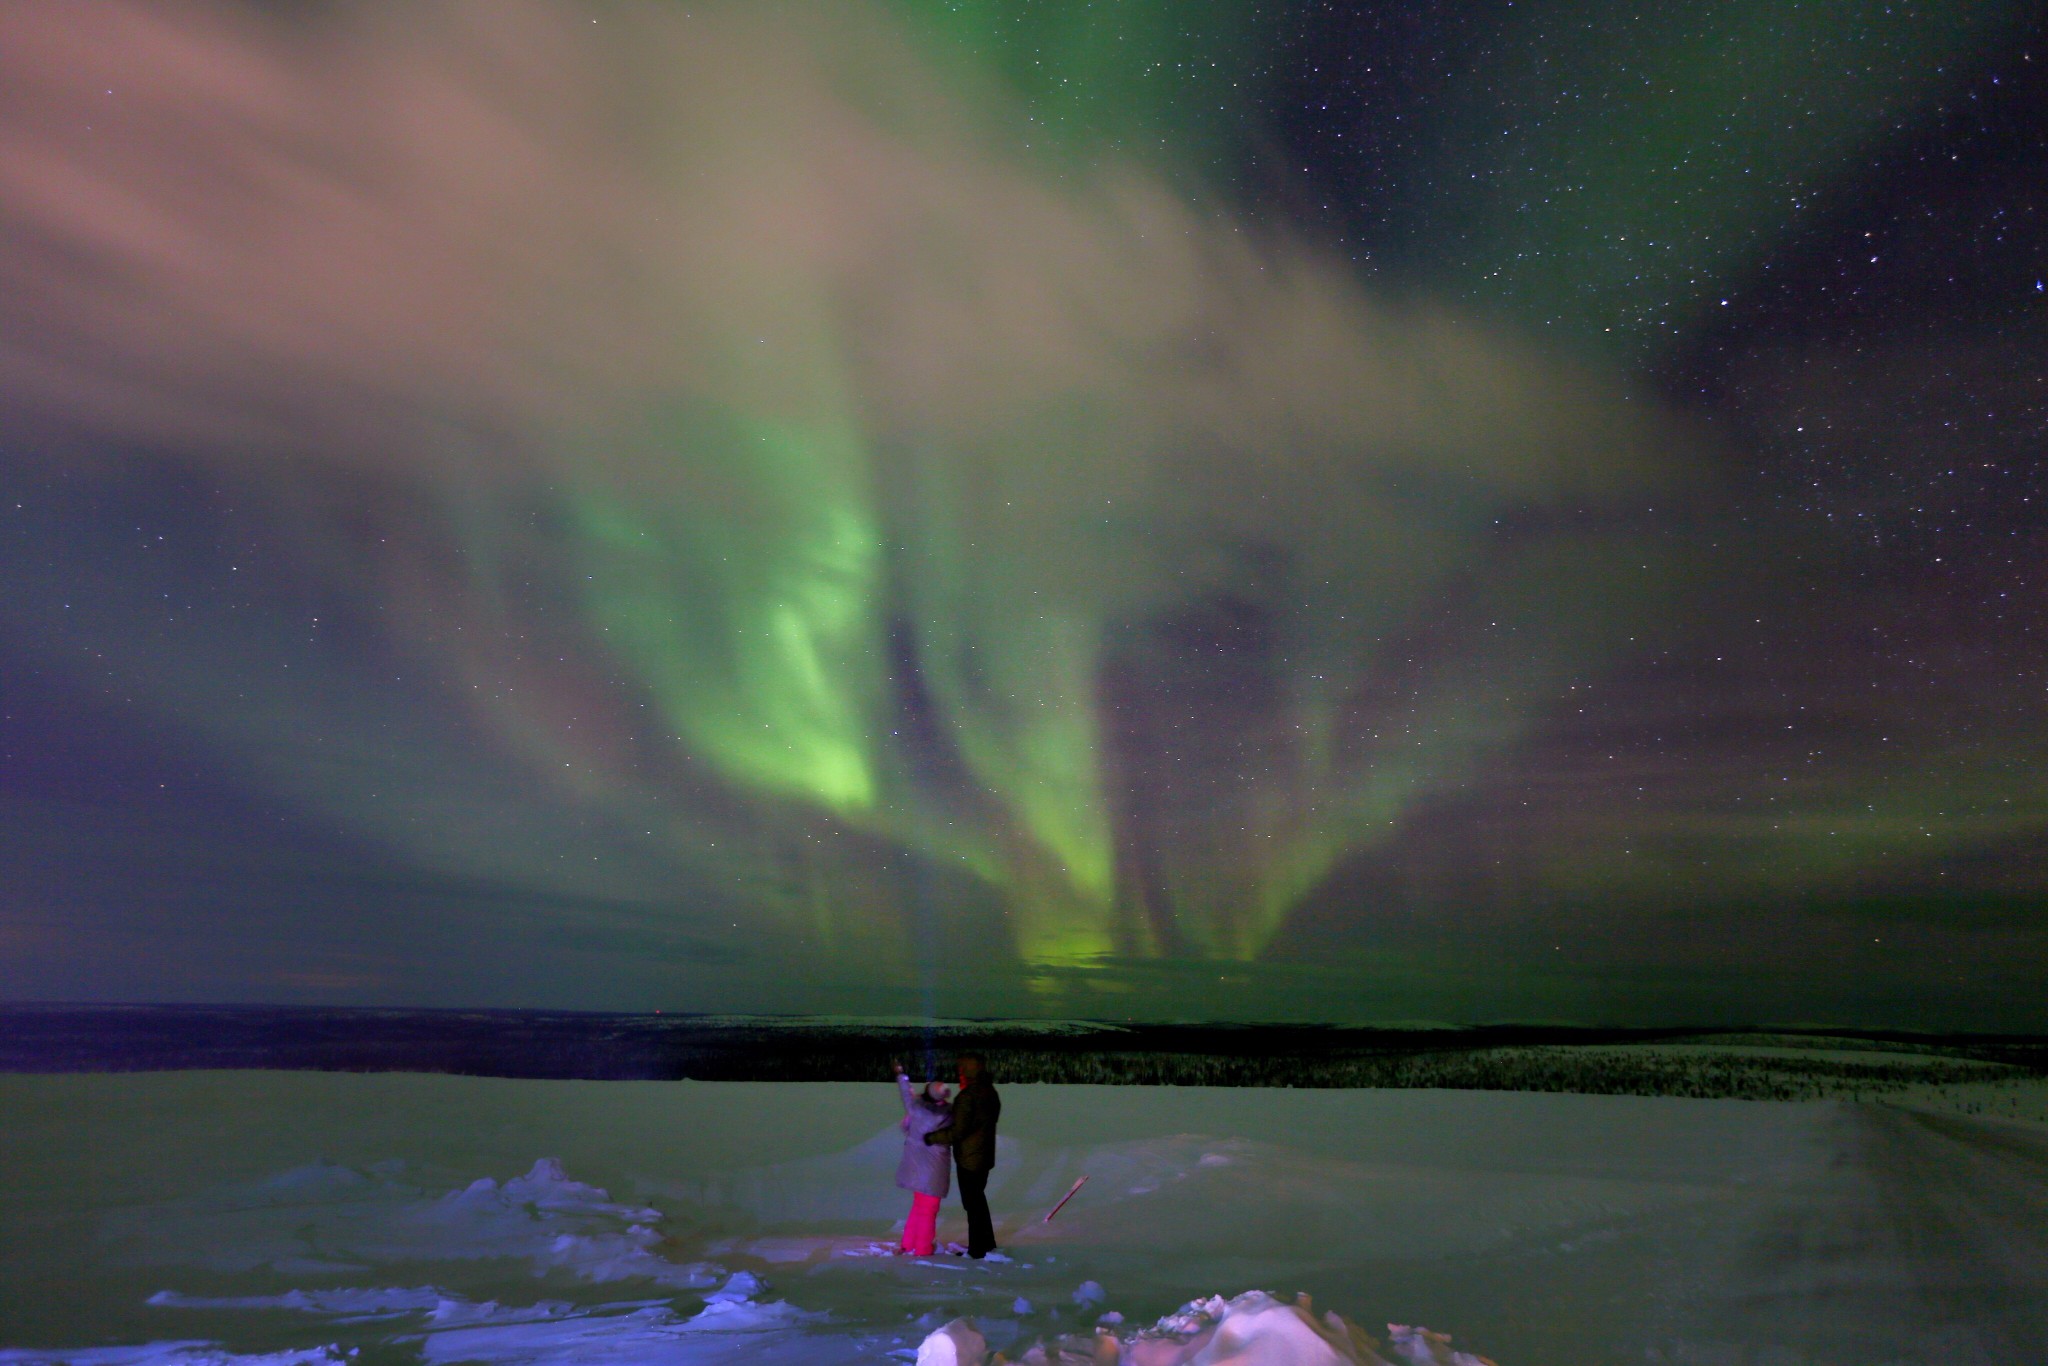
(925, 1171)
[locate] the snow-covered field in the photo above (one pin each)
(306, 1217)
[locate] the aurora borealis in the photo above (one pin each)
(1438, 511)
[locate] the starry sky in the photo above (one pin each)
(1440, 511)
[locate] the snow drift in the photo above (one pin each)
(1254, 1329)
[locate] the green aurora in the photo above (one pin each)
(876, 482)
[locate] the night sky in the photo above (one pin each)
(1379, 512)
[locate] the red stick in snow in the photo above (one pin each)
(1063, 1200)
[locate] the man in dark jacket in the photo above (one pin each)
(972, 1136)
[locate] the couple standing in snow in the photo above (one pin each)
(931, 1124)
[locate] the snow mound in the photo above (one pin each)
(1253, 1329)
(554, 1221)
(327, 1219)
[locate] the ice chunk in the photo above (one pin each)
(1192, 1317)
(744, 1316)
(741, 1285)
(870, 1249)
(958, 1343)
(1089, 1292)
(455, 1312)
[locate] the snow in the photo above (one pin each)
(349, 1305)
(290, 1220)
(740, 1287)
(548, 1333)
(371, 1217)
(642, 1333)
(172, 1354)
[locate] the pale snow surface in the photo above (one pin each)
(559, 1224)
(291, 1220)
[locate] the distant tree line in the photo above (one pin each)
(1756, 1065)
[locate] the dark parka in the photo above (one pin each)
(972, 1132)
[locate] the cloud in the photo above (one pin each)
(724, 402)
